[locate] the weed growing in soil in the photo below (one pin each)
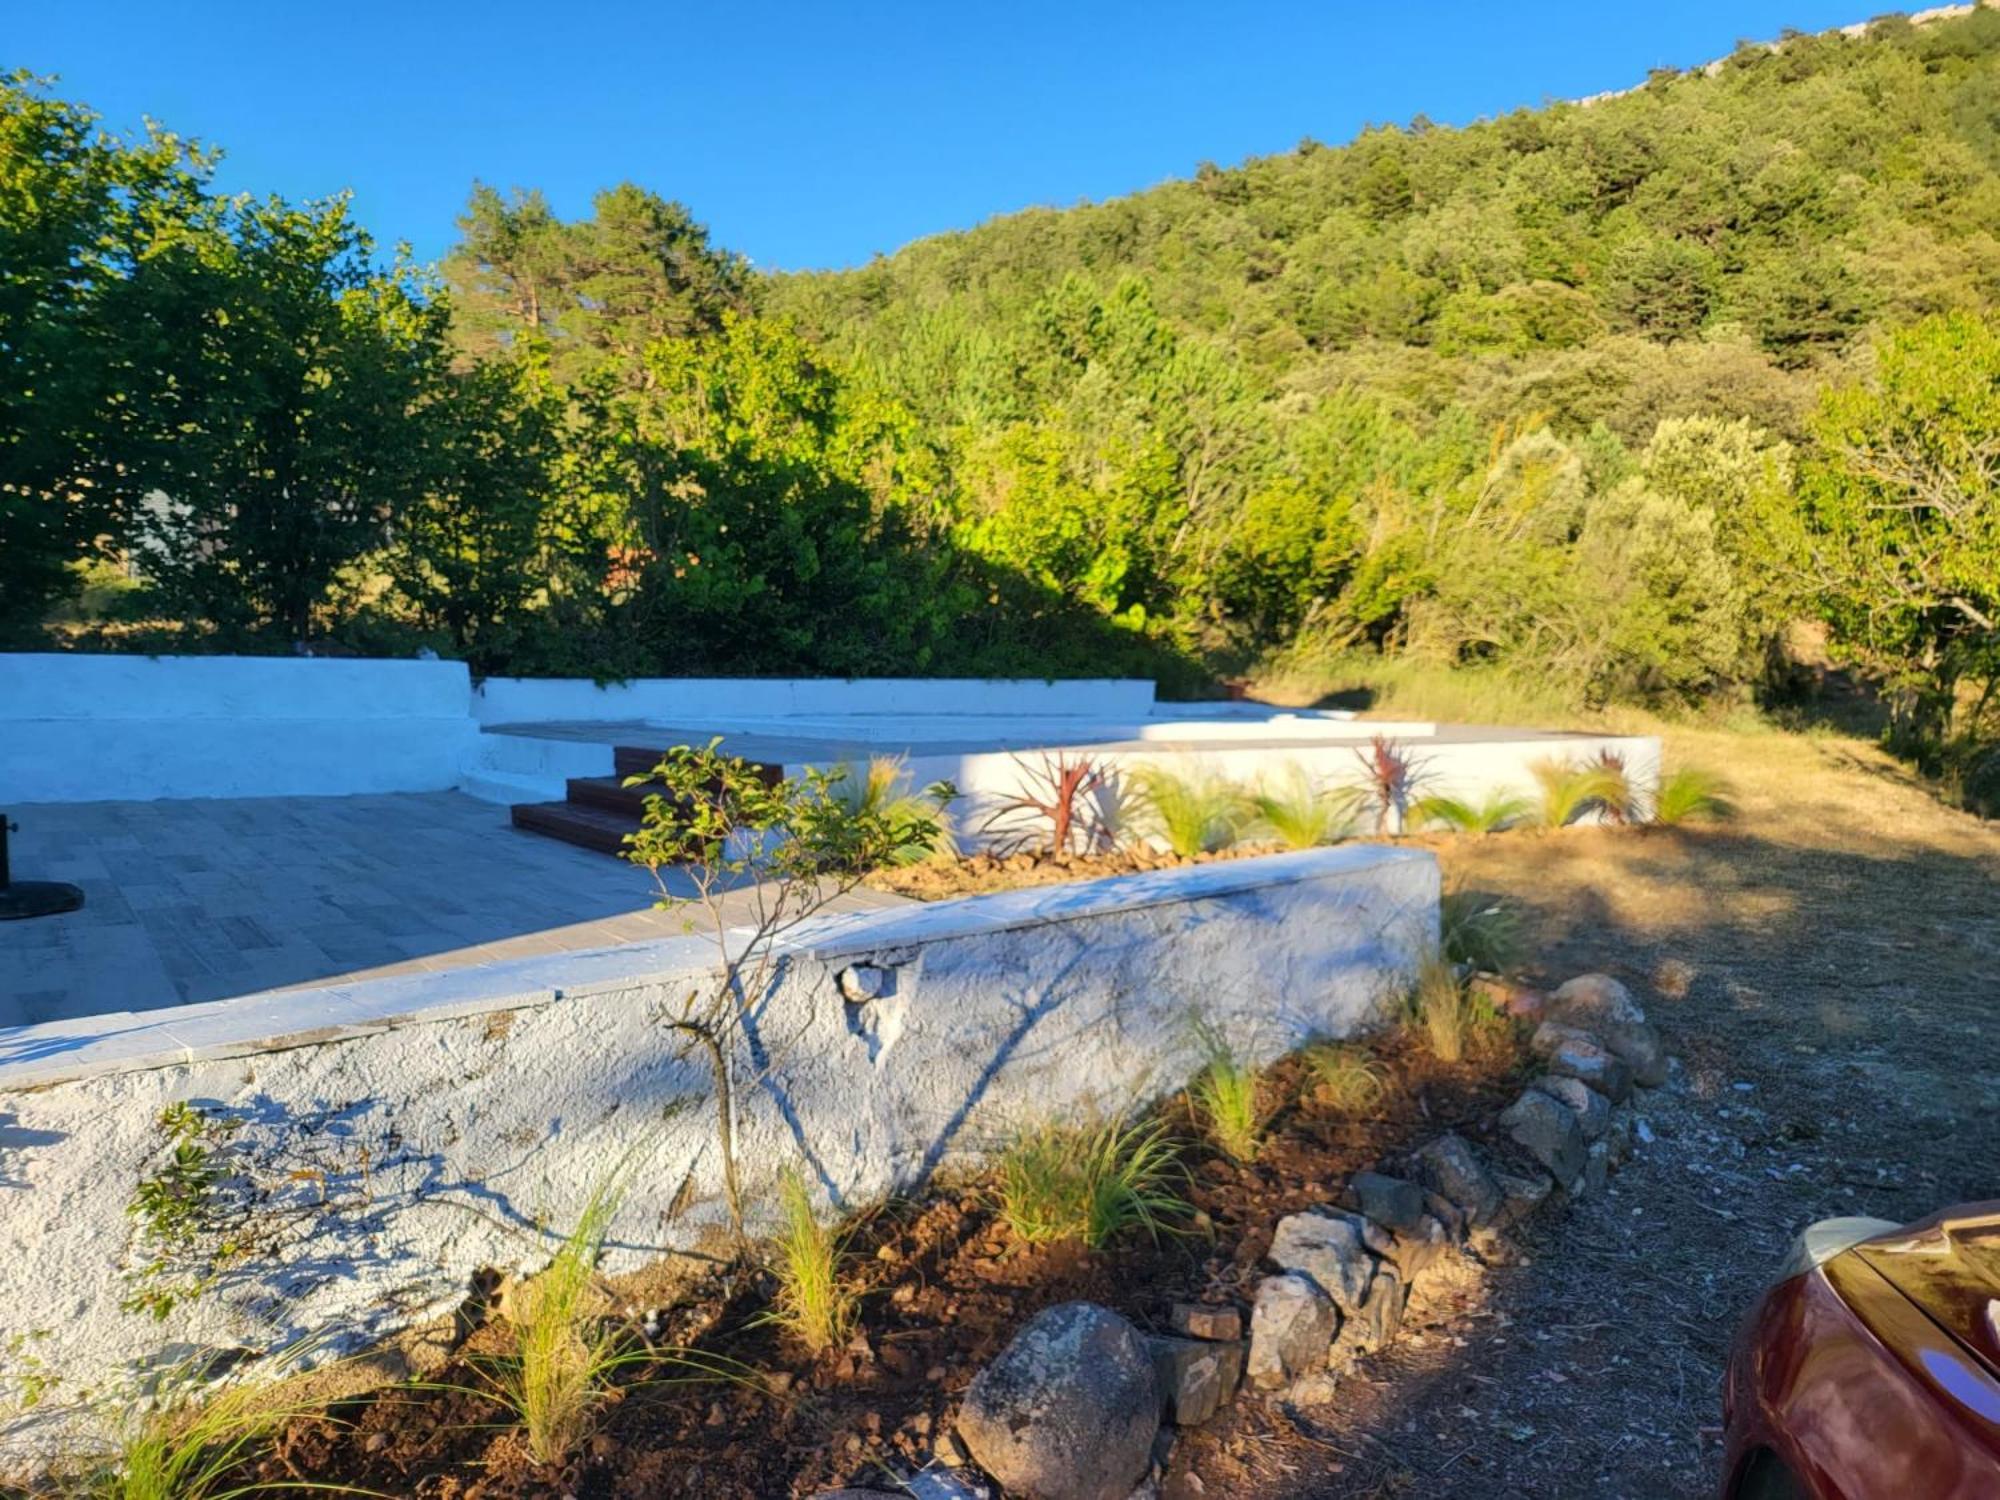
(1349, 1079)
(1300, 815)
(1059, 1183)
(1195, 813)
(1480, 932)
(1570, 792)
(1445, 1012)
(564, 1351)
(1690, 794)
(1499, 810)
(1225, 1095)
(813, 1300)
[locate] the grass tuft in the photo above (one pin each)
(1688, 795)
(1570, 792)
(1349, 1079)
(814, 1301)
(1225, 1095)
(1499, 810)
(880, 789)
(1195, 813)
(1301, 815)
(1479, 931)
(1089, 1185)
(565, 1351)
(1446, 1014)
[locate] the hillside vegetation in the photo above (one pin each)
(1601, 396)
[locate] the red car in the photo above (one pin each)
(1871, 1371)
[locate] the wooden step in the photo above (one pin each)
(639, 760)
(611, 794)
(586, 827)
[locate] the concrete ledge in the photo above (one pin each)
(683, 700)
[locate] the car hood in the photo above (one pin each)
(1949, 1266)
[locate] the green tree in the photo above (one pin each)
(1898, 539)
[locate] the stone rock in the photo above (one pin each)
(1447, 1167)
(1201, 1320)
(1328, 1248)
(1195, 1377)
(1523, 1195)
(1597, 1167)
(1592, 1109)
(1603, 1007)
(1291, 1328)
(1069, 1408)
(1618, 1138)
(1375, 1326)
(1314, 1388)
(931, 1484)
(1447, 1215)
(1396, 1205)
(1548, 1132)
(862, 982)
(1522, 1002)
(1414, 1253)
(1577, 1054)
(850, 1495)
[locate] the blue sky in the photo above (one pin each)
(815, 135)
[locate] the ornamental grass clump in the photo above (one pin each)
(1446, 1014)
(1348, 1078)
(916, 823)
(814, 1300)
(565, 1349)
(1499, 810)
(1299, 814)
(1690, 795)
(1226, 1095)
(1570, 792)
(1196, 813)
(1479, 931)
(1089, 1185)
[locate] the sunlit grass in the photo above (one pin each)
(1298, 813)
(1569, 792)
(1089, 1185)
(1445, 1013)
(1499, 810)
(881, 789)
(1227, 1095)
(1348, 1078)
(1193, 813)
(1690, 795)
(815, 1301)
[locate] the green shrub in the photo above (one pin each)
(1088, 1186)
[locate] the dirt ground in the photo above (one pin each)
(1828, 968)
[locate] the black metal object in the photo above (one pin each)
(30, 898)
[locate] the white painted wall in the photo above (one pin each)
(459, 1121)
(698, 700)
(76, 727)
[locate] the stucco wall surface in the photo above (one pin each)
(391, 1139)
(82, 728)
(697, 700)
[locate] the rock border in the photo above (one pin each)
(1343, 1271)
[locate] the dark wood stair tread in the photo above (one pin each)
(587, 827)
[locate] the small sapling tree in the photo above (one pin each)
(748, 856)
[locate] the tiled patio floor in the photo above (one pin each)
(200, 900)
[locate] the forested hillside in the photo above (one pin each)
(1603, 395)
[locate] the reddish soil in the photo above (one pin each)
(974, 874)
(946, 1286)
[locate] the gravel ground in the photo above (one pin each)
(1827, 968)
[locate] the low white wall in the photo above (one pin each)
(77, 728)
(411, 1132)
(1472, 769)
(694, 700)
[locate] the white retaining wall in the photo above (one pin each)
(695, 700)
(82, 728)
(411, 1132)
